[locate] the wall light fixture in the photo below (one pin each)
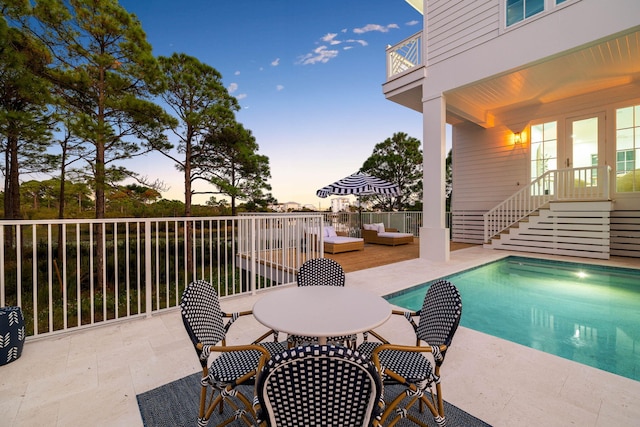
(517, 137)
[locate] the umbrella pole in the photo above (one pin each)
(360, 213)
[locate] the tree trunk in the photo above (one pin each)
(61, 204)
(12, 186)
(187, 210)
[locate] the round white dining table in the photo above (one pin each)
(321, 311)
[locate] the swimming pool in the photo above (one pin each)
(585, 313)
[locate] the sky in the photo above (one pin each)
(308, 76)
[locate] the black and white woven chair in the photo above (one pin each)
(321, 272)
(236, 365)
(318, 386)
(409, 365)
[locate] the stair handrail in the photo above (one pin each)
(570, 184)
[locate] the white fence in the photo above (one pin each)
(76, 273)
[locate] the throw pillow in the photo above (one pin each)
(330, 232)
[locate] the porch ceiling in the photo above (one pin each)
(603, 65)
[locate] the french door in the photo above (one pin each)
(582, 151)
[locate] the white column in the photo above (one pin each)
(434, 236)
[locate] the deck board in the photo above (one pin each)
(377, 255)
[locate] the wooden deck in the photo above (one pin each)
(377, 255)
(282, 266)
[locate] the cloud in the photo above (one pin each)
(275, 62)
(279, 88)
(374, 27)
(232, 87)
(331, 39)
(359, 41)
(237, 73)
(412, 23)
(321, 54)
(241, 96)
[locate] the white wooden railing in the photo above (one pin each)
(405, 55)
(51, 268)
(572, 184)
(350, 222)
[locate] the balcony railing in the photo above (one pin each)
(572, 184)
(405, 55)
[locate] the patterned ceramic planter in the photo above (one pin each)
(11, 334)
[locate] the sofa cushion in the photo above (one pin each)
(379, 227)
(369, 227)
(330, 232)
(394, 234)
(341, 239)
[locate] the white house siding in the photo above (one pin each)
(456, 26)
(486, 171)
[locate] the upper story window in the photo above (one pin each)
(519, 10)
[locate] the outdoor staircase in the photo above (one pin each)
(579, 229)
(562, 212)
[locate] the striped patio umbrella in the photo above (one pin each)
(360, 184)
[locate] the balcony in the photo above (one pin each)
(405, 72)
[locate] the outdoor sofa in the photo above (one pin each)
(337, 241)
(378, 234)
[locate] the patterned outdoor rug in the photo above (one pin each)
(176, 405)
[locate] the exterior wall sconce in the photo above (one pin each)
(517, 137)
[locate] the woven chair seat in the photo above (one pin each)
(343, 340)
(228, 367)
(414, 367)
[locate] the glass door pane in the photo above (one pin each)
(583, 145)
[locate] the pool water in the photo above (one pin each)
(585, 313)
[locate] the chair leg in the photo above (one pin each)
(203, 395)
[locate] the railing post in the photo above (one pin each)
(607, 184)
(148, 286)
(254, 255)
(2, 273)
